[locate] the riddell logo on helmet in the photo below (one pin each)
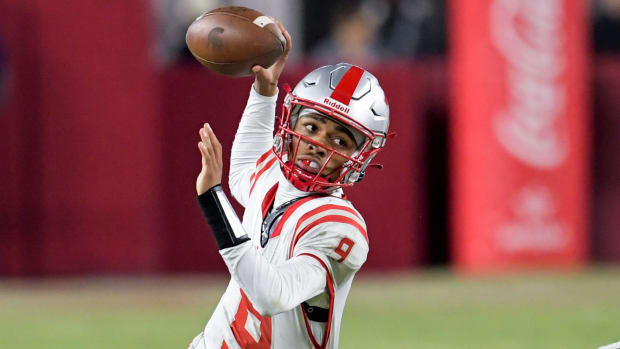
(336, 105)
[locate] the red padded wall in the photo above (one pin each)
(83, 123)
(20, 211)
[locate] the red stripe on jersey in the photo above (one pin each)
(224, 345)
(326, 219)
(324, 208)
(330, 289)
(319, 210)
(260, 173)
(259, 161)
(268, 200)
(289, 211)
(347, 85)
(263, 157)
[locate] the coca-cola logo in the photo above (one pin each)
(530, 36)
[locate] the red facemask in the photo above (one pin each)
(287, 152)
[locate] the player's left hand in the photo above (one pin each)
(211, 151)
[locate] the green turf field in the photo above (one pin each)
(421, 310)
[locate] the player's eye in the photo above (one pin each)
(310, 127)
(340, 142)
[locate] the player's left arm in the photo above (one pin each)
(275, 288)
(271, 288)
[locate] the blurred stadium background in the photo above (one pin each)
(494, 223)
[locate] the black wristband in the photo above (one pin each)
(222, 219)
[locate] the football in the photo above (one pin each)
(231, 40)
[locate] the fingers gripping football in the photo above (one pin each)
(266, 79)
(211, 152)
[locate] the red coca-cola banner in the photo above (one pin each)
(519, 127)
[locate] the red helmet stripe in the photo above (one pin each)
(347, 85)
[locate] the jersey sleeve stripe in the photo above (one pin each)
(263, 157)
(326, 219)
(259, 161)
(317, 211)
(260, 173)
(323, 208)
(330, 289)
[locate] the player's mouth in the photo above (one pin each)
(308, 165)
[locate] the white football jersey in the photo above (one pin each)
(314, 250)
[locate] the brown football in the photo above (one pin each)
(231, 40)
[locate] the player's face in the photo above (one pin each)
(325, 131)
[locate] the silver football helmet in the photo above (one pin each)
(348, 95)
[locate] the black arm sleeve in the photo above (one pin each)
(222, 218)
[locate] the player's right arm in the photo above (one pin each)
(254, 136)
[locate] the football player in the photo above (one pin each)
(293, 257)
